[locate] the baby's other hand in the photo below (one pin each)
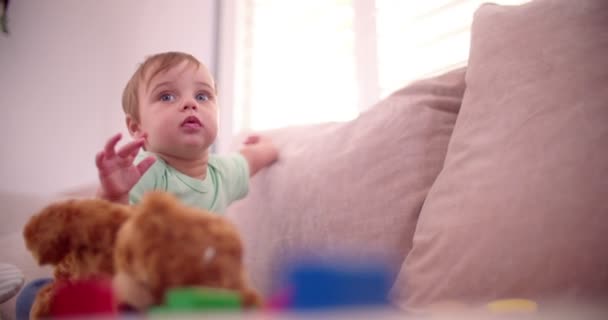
(255, 139)
(259, 151)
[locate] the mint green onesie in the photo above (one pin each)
(227, 180)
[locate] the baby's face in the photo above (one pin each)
(178, 112)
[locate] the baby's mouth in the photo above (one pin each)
(191, 122)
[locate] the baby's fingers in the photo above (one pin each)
(131, 148)
(99, 159)
(252, 139)
(111, 144)
(145, 164)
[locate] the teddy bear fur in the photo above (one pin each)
(166, 244)
(77, 237)
(147, 249)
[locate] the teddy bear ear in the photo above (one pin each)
(158, 202)
(72, 224)
(44, 235)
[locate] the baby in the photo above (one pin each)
(171, 111)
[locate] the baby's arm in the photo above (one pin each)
(260, 152)
(117, 172)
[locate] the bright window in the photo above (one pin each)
(298, 62)
(423, 38)
(302, 60)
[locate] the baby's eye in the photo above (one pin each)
(202, 97)
(167, 97)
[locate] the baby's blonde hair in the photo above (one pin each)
(146, 71)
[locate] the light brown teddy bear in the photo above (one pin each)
(148, 249)
(167, 245)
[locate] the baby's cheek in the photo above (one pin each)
(160, 134)
(212, 123)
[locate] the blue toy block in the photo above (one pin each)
(316, 284)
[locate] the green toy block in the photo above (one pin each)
(192, 299)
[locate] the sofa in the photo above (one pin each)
(486, 182)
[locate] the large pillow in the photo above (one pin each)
(352, 188)
(520, 209)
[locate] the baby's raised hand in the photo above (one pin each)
(259, 151)
(117, 172)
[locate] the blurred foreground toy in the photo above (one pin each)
(315, 284)
(146, 250)
(512, 306)
(82, 298)
(450, 308)
(77, 238)
(193, 299)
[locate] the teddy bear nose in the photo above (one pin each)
(208, 255)
(125, 307)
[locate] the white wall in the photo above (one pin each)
(62, 71)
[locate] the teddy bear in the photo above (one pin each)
(166, 245)
(145, 249)
(77, 238)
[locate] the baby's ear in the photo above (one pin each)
(72, 225)
(134, 127)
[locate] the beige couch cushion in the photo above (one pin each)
(354, 187)
(521, 207)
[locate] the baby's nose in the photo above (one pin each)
(189, 105)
